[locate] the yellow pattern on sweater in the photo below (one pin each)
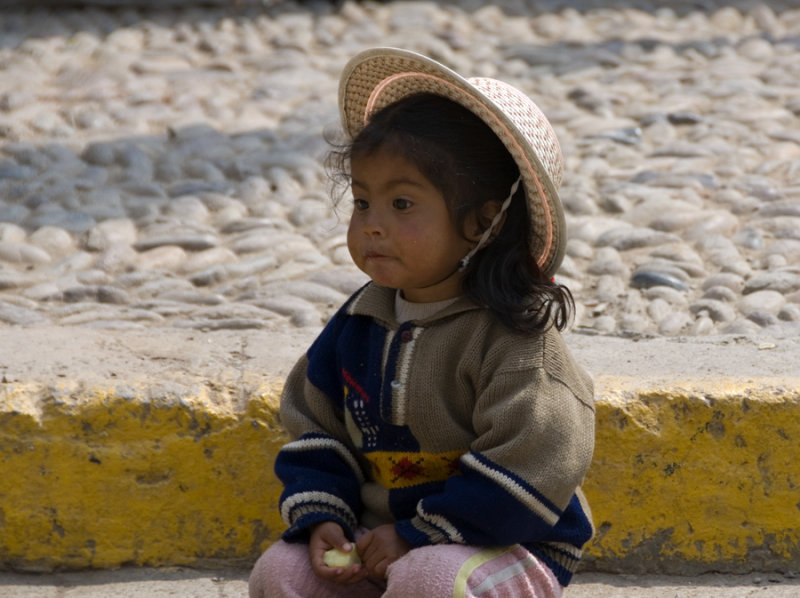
(404, 469)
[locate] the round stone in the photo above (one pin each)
(766, 300)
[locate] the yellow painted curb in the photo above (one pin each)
(696, 475)
(161, 475)
(688, 476)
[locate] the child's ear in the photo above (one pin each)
(482, 219)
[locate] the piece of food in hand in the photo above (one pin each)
(336, 558)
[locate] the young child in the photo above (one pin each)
(440, 426)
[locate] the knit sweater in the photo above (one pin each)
(453, 428)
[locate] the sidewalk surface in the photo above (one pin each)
(187, 583)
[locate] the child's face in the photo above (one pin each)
(401, 234)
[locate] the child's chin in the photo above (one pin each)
(381, 278)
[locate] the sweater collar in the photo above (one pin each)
(378, 302)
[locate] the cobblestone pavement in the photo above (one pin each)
(164, 167)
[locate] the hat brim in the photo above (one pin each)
(378, 77)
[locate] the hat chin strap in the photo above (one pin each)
(464, 262)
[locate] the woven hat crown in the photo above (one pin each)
(376, 78)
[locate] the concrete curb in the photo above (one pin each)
(160, 475)
(127, 465)
(696, 475)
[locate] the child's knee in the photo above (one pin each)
(428, 571)
(260, 576)
(272, 567)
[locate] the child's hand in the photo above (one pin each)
(324, 537)
(381, 547)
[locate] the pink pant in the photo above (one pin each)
(442, 571)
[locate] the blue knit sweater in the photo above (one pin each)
(453, 428)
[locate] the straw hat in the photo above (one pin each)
(380, 76)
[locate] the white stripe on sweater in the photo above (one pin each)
(439, 524)
(517, 491)
(305, 499)
(400, 382)
(316, 444)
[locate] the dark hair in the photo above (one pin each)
(470, 166)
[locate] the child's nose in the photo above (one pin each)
(373, 224)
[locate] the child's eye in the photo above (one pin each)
(401, 204)
(360, 204)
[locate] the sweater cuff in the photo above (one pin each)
(303, 510)
(417, 533)
(300, 530)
